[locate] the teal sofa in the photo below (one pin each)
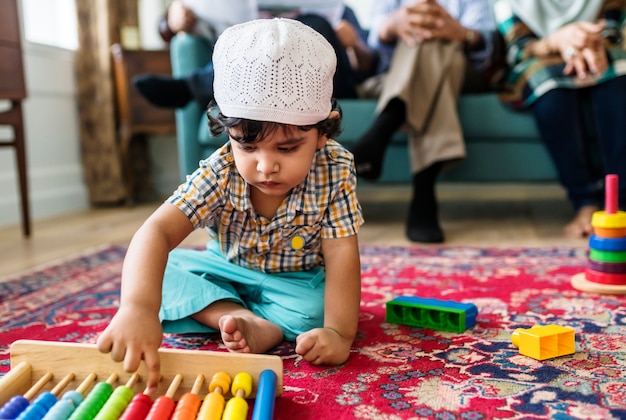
(502, 145)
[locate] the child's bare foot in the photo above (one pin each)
(249, 333)
(581, 227)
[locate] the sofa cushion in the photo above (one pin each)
(482, 117)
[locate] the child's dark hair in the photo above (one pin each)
(253, 131)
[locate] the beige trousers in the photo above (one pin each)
(428, 78)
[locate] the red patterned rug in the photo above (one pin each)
(395, 371)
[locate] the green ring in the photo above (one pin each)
(607, 256)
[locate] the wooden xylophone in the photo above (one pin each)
(42, 367)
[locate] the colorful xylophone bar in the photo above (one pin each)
(104, 402)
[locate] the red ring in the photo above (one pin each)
(605, 278)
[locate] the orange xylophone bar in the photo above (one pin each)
(188, 405)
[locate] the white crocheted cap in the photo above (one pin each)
(277, 70)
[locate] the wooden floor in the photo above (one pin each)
(473, 214)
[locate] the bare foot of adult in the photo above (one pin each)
(581, 227)
(249, 333)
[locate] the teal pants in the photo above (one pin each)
(196, 278)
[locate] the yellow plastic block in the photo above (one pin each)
(543, 342)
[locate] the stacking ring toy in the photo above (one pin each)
(605, 278)
(607, 267)
(609, 232)
(611, 217)
(606, 264)
(607, 244)
(602, 219)
(607, 256)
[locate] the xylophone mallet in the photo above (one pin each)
(213, 404)
(17, 404)
(163, 406)
(44, 401)
(118, 401)
(237, 407)
(94, 401)
(188, 403)
(265, 396)
(64, 408)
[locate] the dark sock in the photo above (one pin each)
(369, 151)
(423, 220)
(163, 91)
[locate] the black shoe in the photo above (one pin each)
(423, 219)
(425, 234)
(423, 222)
(163, 91)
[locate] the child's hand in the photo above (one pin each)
(134, 334)
(323, 346)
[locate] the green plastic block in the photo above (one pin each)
(436, 314)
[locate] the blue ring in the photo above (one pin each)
(607, 244)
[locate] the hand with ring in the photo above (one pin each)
(569, 52)
(585, 61)
(581, 46)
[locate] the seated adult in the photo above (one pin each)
(567, 67)
(355, 59)
(429, 52)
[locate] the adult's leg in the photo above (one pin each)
(559, 118)
(169, 92)
(440, 141)
(608, 102)
(410, 87)
(369, 151)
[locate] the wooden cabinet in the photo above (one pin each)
(13, 88)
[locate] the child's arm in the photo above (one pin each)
(342, 298)
(135, 333)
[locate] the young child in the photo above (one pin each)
(279, 203)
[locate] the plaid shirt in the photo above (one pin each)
(324, 205)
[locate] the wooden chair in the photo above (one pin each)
(137, 118)
(13, 89)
